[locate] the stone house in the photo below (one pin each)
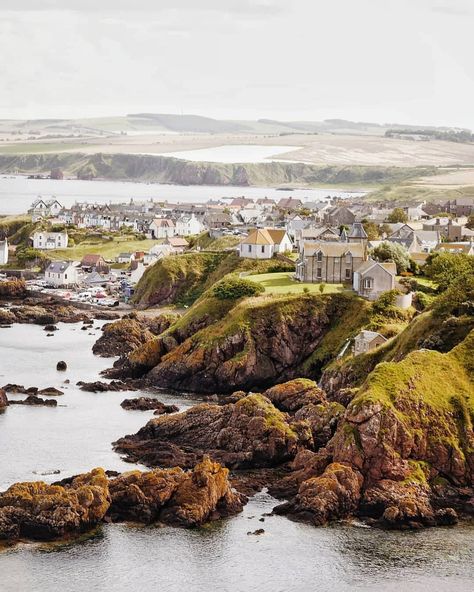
(330, 262)
(372, 278)
(339, 215)
(366, 341)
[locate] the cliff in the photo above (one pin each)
(184, 278)
(223, 345)
(162, 169)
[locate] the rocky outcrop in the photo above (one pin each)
(148, 404)
(174, 497)
(407, 435)
(331, 496)
(45, 512)
(128, 333)
(12, 289)
(39, 511)
(249, 433)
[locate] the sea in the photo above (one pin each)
(18, 192)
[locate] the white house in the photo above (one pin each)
(61, 274)
(162, 228)
(263, 243)
(188, 225)
(41, 208)
(4, 252)
(50, 240)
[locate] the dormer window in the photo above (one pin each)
(348, 258)
(319, 256)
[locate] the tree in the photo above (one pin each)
(447, 268)
(392, 252)
(470, 222)
(397, 215)
(371, 229)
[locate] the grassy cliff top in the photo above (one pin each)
(426, 376)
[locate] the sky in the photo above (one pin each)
(387, 61)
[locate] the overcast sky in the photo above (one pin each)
(406, 61)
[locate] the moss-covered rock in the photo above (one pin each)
(40, 511)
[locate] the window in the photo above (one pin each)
(263, 248)
(250, 248)
(318, 272)
(348, 274)
(319, 256)
(348, 258)
(368, 283)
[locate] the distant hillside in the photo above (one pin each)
(163, 169)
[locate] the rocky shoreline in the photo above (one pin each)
(395, 452)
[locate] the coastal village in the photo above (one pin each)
(331, 241)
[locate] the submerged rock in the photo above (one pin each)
(147, 404)
(34, 400)
(101, 387)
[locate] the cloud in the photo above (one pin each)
(242, 7)
(453, 9)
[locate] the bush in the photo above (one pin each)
(422, 300)
(233, 288)
(388, 251)
(456, 300)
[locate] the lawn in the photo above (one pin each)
(109, 249)
(282, 283)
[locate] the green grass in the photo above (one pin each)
(30, 148)
(109, 249)
(282, 283)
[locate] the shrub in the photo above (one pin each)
(233, 288)
(421, 300)
(385, 301)
(388, 251)
(322, 287)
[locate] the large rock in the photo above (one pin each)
(126, 334)
(45, 512)
(249, 433)
(175, 497)
(333, 495)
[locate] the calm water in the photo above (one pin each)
(233, 153)
(221, 557)
(17, 193)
